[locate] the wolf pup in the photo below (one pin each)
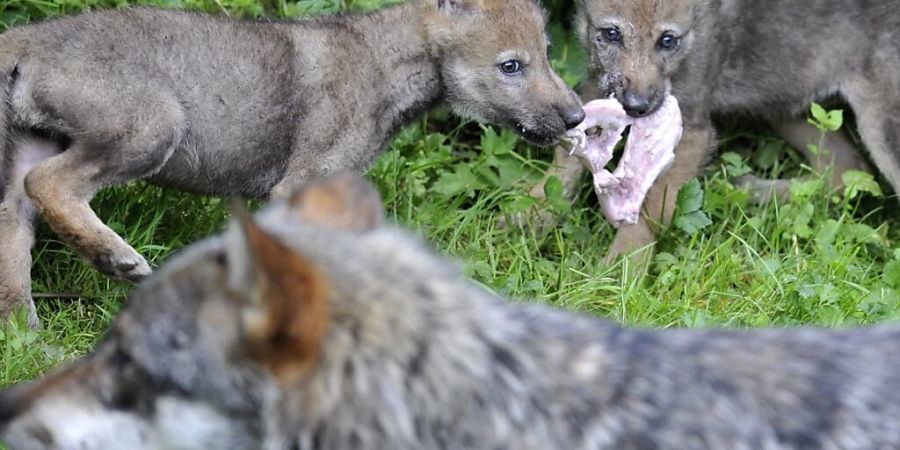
(769, 59)
(226, 107)
(317, 327)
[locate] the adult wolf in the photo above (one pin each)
(227, 107)
(317, 327)
(767, 59)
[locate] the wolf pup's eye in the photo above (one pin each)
(511, 67)
(668, 41)
(611, 34)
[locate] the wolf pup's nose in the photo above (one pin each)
(573, 116)
(635, 105)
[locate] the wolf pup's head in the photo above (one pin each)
(296, 320)
(635, 46)
(493, 56)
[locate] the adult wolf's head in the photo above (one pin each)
(635, 46)
(301, 324)
(493, 56)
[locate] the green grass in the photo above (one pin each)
(822, 259)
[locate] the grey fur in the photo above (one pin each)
(227, 107)
(765, 59)
(415, 357)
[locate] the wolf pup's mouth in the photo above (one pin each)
(648, 153)
(535, 137)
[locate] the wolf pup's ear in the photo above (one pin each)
(342, 201)
(286, 310)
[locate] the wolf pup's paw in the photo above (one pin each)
(128, 266)
(12, 300)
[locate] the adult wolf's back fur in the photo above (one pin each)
(316, 327)
(766, 59)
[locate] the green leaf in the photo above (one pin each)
(511, 171)
(554, 193)
(553, 187)
(802, 191)
(692, 222)
(827, 233)
(865, 234)
(690, 197)
(488, 175)
(664, 260)
(734, 164)
(891, 274)
(480, 268)
(818, 112)
(829, 315)
(518, 203)
(768, 154)
(826, 120)
(497, 144)
(456, 182)
(835, 120)
(803, 215)
(857, 181)
(689, 217)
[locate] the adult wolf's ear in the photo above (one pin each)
(285, 309)
(343, 201)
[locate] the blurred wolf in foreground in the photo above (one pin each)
(316, 327)
(227, 107)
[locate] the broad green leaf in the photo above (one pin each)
(857, 181)
(456, 182)
(493, 143)
(689, 217)
(734, 164)
(690, 197)
(692, 222)
(553, 191)
(891, 274)
(767, 155)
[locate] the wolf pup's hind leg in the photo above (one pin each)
(108, 148)
(17, 216)
(837, 156)
(837, 153)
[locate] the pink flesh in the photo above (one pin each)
(648, 153)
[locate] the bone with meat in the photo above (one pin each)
(648, 153)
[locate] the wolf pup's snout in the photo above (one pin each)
(572, 115)
(635, 104)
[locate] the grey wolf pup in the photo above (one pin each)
(315, 326)
(766, 59)
(227, 107)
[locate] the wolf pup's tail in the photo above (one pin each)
(8, 63)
